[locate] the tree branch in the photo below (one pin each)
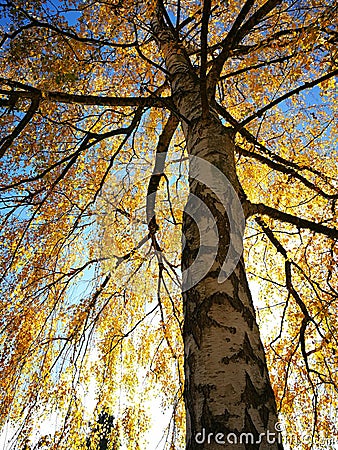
(287, 170)
(256, 66)
(204, 57)
(161, 153)
(307, 85)
(257, 17)
(292, 291)
(7, 141)
(35, 23)
(88, 100)
(260, 208)
(281, 165)
(236, 34)
(177, 60)
(227, 43)
(167, 19)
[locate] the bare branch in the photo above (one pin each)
(7, 141)
(287, 170)
(307, 85)
(88, 100)
(260, 208)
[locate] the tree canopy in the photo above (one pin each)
(94, 179)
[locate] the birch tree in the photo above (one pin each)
(156, 158)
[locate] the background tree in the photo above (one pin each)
(102, 103)
(100, 436)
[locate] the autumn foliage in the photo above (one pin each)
(91, 311)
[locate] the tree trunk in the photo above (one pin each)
(228, 397)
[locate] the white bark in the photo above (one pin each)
(228, 395)
(227, 385)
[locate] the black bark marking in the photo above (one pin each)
(206, 419)
(264, 415)
(254, 398)
(190, 393)
(249, 428)
(251, 355)
(192, 325)
(247, 313)
(247, 354)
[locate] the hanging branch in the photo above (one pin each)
(161, 154)
(307, 318)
